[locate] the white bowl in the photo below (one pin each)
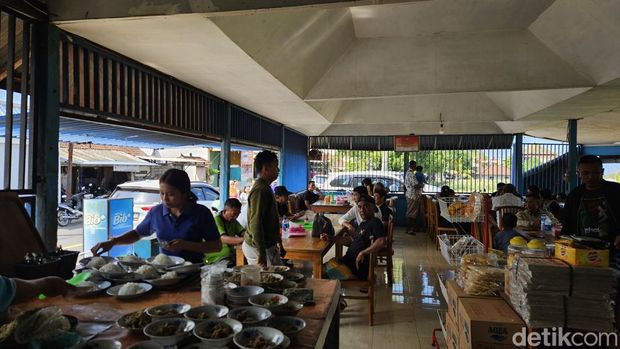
(211, 310)
(244, 292)
(184, 326)
(113, 291)
(93, 290)
(175, 262)
(235, 325)
(293, 321)
(102, 344)
(277, 279)
(271, 334)
(259, 315)
(166, 311)
(261, 299)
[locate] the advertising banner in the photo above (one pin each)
(406, 143)
(95, 222)
(120, 212)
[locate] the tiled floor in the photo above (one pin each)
(406, 314)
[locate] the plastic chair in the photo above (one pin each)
(384, 256)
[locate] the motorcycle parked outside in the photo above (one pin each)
(71, 209)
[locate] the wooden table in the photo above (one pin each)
(301, 249)
(322, 319)
(322, 207)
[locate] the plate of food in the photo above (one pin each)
(129, 290)
(270, 279)
(169, 332)
(95, 262)
(148, 272)
(134, 322)
(163, 261)
(131, 261)
(289, 325)
(91, 288)
(217, 332)
(126, 277)
(186, 268)
(165, 311)
(259, 337)
(206, 312)
(167, 279)
(277, 269)
(249, 316)
(112, 271)
(268, 300)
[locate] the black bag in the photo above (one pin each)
(322, 225)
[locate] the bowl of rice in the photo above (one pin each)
(167, 279)
(162, 261)
(129, 290)
(112, 271)
(148, 272)
(131, 261)
(95, 262)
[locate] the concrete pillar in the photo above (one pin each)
(517, 164)
(225, 159)
(281, 157)
(46, 112)
(572, 154)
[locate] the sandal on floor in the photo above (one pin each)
(343, 305)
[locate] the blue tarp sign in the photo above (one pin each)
(120, 212)
(95, 222)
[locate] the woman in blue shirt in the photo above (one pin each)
(184, 228)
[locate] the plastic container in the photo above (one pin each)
(212, 290)
(285, 228)
(250, 275)
(513, 252)
(535, 252)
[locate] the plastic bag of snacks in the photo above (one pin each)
(483, 280)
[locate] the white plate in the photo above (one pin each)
(98, 288)
(84, 261)
(113, 291)
(186, 269)
(165, 282)
(175, 260)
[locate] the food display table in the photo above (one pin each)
(322, 319)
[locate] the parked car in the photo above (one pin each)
(348, 180)
(145, 195)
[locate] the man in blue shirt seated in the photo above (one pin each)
(502, 239)
(13, 291)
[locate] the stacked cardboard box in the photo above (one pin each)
(476, 322)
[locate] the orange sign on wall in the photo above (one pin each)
(406, 143)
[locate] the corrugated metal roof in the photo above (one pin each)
(98, 157)
(441, 142)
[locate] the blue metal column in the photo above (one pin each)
(282, 150)
(225, 158)
(46, 114)
(517, 164)
(572, 154)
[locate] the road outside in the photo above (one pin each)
(71, 236)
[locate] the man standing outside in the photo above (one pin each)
(262, 243)
(413, 203)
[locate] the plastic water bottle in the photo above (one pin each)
(543, 218)
(285, 228)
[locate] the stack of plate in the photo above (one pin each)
(239, 296)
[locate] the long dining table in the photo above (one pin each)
(332, 207)
(99, 313)
(304, 248)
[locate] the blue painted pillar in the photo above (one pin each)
(517, 164)
(572, 154)
(47, 118)
(282, 150)
(225, 158)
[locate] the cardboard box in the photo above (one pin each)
(452, 333)
(487, 323)
(454, 293)
(581, 256)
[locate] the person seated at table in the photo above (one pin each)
(353, 217)
(285, 208)
(508, 198)
(14, 291)
(502, 238)
(549, 202)
(499, 190)
(533, 189)
(529, 219)
(379, 196)
(183, 227)
(443, 193)
(310, 196)
(367, 183)
(369, 237)
(231, 232)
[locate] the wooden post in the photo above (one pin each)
(69, 188)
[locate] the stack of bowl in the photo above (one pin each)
(240, 296)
